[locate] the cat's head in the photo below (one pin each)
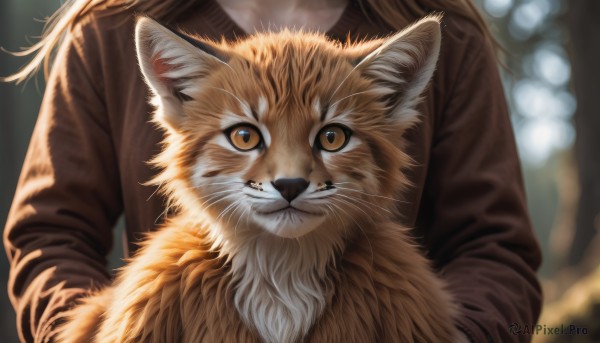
(286, 132)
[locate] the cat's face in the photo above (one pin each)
(287, 132)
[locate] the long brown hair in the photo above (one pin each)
(395, 13)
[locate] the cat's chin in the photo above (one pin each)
(289, 223)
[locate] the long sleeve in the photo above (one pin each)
(59, 229)
(473, 214)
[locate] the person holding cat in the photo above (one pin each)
(87, 162)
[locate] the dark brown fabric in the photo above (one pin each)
(87, 163)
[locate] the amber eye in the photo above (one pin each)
(244, 137)
(333, 138)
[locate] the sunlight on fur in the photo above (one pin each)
(284, 163)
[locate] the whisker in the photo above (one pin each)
(233, 95)
(369, 194)
(230, 206)
(238, 221)
(260, 198)
(342, 82)
(335, 214)
(208, 197)
(353, 205)
(211, 198)
(342, 183)
(348, 96)
(155, 190)
(224, 183)
(217, 193)
(363, 232)
(360, 201)
(215, 202)
(235, 209)
(163, 213)
(205, 190)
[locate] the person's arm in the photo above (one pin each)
(473, 212)
(59, 229)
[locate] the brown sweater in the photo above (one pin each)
(87, 164)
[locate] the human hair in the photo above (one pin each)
(395, 13)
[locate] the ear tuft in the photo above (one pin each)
(402, 65)
(173, 66)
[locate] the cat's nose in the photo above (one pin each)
(290, 188)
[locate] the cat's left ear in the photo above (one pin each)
(402, 65)
(173, 66)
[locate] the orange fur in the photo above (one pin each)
(191, 280)
(177, 290)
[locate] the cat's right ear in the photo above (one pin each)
(173, 66)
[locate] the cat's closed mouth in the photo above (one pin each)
(289, 209)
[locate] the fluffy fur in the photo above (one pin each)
(239, 263)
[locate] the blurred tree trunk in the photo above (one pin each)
(585, 38)
(8, 170)
(7, 147)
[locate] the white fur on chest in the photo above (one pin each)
(279, 288)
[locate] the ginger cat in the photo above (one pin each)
(284, 159)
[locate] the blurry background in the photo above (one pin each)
(551, 75)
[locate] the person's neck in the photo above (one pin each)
(282, 5)
(275, 15)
